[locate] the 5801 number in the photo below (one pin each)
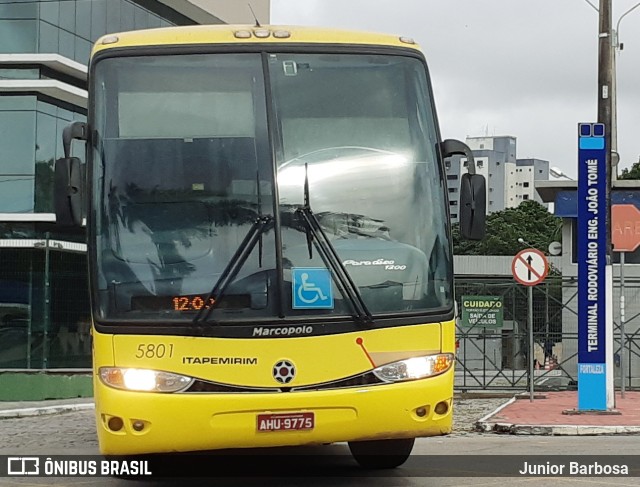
(152, 350)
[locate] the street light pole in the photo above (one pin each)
(605, 79)
(608, 115)
(556, 172)
(614, 106)
(605, 88)
(616, 46)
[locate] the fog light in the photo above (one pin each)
(138, 425)
(421, 412)
(115, 423)
(441, 407)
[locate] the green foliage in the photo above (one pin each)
(530, 221)
(632, 173)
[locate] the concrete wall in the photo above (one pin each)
(509, 180)
(39, 385)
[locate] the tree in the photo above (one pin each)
(633, 172)
(530, 221)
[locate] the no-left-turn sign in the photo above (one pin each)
(530, 267)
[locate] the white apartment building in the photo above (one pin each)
(510, 181)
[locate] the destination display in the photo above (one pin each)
(186, 303)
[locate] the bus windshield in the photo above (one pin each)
(190, 150)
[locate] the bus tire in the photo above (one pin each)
(381, 454)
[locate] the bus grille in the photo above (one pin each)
(204, 386)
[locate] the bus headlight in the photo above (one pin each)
(144, 380)
(415, 368)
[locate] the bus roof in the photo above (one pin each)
(230, 34)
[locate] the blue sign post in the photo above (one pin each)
(592, 255)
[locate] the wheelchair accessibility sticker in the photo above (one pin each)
(311, 288)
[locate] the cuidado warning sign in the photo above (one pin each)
(482, 311)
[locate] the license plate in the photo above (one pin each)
(285, 422)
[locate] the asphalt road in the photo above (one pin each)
(432, 463)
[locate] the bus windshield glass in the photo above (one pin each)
(190, 151)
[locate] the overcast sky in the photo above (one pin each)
(526, 68)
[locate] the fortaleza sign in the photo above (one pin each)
(482, 311)
(591, 238)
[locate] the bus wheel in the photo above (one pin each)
(381, 453)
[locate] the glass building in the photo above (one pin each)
(44, 50)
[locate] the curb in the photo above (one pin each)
(45, 410)
(485, 425)
(554, 430)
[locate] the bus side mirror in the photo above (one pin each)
(473, 196)
(69, 178)
(68, 191)
(473, 206)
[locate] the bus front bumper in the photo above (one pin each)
(136, 422)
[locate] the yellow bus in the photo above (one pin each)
(269, 240)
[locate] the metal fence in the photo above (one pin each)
(44, 305)
(44, 314)
(498, 357)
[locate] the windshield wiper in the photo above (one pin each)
(254, 236)
(330, 257)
